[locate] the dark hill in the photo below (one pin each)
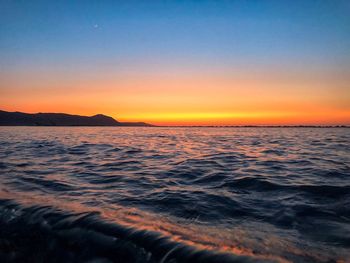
(60, 119)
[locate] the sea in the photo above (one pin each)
(173, 195)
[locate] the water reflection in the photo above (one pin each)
(263, 193)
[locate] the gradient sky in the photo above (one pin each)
(179, 62)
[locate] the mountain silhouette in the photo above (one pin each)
(60, 119)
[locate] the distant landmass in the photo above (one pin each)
(61, 119)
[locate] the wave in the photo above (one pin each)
(46, 234)
(279, 192)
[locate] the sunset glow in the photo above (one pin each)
(180, 63)
(161, 131)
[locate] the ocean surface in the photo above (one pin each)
(91, 194)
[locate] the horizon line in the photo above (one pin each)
(184, 126)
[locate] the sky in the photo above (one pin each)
(247, 62)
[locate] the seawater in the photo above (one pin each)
(111, 194)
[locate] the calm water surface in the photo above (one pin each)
(73, 194)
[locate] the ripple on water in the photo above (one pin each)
(272, 194)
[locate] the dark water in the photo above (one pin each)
(174, 195)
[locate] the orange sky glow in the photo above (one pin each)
(186, 98)
(179, 62)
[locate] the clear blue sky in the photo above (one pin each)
(188, 31)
